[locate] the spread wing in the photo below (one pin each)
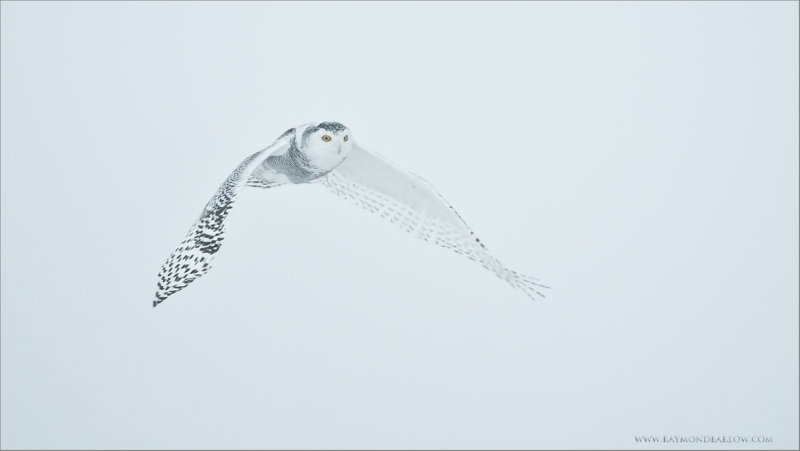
(193, 256)
(412, 203)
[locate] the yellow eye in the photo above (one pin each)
(345, 138)
(326, 138)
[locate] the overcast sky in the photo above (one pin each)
(639, 157)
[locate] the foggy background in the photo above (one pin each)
(640, 158)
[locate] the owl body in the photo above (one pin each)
(314, 149)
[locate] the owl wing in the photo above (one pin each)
(413, 204)
(194, 255)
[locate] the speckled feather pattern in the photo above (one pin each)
(194, 255)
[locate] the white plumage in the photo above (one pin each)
(325, 152)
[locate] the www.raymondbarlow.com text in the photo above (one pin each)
(703, 439)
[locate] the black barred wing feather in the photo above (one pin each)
(412, 203)
(194, 255)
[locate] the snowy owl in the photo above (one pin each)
(325, 152)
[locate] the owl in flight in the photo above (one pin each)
(324, 152)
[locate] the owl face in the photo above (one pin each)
(326, 144)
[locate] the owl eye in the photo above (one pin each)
(345, 138)
(326, 138)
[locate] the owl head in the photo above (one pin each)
(325, 144)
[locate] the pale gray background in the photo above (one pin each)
(642, 158)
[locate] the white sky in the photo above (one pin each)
(639, 157)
